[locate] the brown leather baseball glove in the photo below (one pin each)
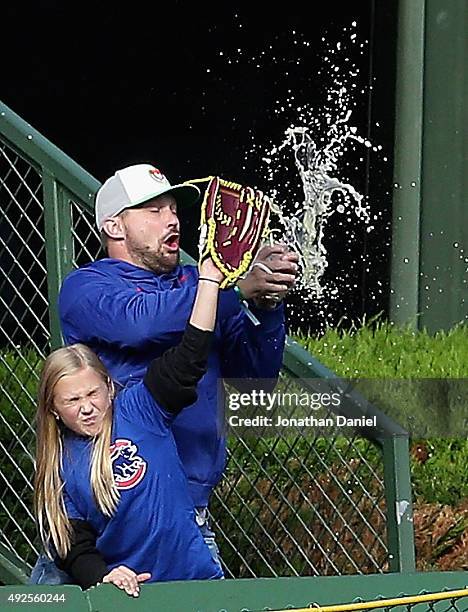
(233, 221)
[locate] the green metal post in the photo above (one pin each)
(404, 304)
(443, 290)
(59, 247)
(400, 533)
(430, 215)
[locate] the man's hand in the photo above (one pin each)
(271, 276)
(126, 579)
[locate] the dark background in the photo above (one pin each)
(185, 86)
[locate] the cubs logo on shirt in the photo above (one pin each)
(127, 466)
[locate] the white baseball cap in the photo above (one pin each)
(133, 186)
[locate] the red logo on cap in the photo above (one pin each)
(157, 175)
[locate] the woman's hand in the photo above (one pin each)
(126, 579)
(209, 270)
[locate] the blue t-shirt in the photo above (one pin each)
(154, 528)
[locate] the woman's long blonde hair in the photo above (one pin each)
(53, 523)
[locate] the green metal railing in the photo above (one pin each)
(439, 592)
(288, 505)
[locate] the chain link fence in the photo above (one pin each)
(288, 505)
(301, 506)
(24, 342)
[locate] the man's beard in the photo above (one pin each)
(157, 262)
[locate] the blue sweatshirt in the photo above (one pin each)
(153, 529)
(129, 316)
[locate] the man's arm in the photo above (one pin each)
(250, 351)
(98, 308)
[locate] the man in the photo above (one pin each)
(130, 307)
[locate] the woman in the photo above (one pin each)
(123, 516)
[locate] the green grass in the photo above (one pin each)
(19, 372)
(440, 475)
(379, 349)
(416, 378)
(398, 363)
